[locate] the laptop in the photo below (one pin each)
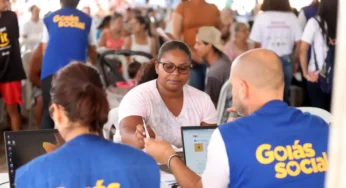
(23, 146)
(195, 146)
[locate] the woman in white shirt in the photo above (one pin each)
(319, 33)
(278, 29)
(140, 40)
(165, 104)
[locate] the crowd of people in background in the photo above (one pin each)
(194, 54)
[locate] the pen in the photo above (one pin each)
(145, 129)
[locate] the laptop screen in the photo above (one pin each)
(195, 145)
(23, 146)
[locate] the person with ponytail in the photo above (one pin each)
(80, 109)
(140, 40)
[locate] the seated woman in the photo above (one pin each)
(239, 42)
(167, 103)
(140, 40)
(79, 110)
(112, 38)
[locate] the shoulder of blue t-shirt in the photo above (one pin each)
(257, 123)
(118, 156)
(67, 11)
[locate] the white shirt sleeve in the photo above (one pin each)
(92, 36)
(216, 173)
(209, 112)
(309, 31)
(132, 104)
(302, 19)
(45, 35)
(256, 34)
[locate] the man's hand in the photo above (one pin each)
(140, 133)
(311, 77)
(160, 150)
(234, 114)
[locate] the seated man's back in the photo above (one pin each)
(277, 146)
(91, 161)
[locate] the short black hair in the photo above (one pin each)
(133, 69)
(174, 45)
(32, 8)
(70, 3)
(276, 5)
(214, 48)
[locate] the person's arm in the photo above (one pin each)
(217, 162)
(92, 53)
(303, 57)
(177, 25)
(127, 46)
(153, 47)
(306, 40)
(296, 57)
(132, 131)
(35, 66)
(103, 38)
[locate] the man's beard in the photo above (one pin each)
(240, 107)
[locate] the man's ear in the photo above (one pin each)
(244, 89)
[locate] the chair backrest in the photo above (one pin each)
(225, 101)
(327, 116)
(111, 128)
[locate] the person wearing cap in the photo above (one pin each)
(209, 46)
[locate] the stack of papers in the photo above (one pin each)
(168, 179)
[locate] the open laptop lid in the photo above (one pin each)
(23, 146)
(195, 144)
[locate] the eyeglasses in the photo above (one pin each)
(170, 68)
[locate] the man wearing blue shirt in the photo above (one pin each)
(271, 145)
(67, 37)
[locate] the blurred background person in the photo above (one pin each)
(140, 40)
(308, 12)
(239, 41)
(104, 25)
(112, 38)
(61, 43)
(226, 24)
(210, 48)
(34, 77)
(320, 34)
(11, 66)
(187, 18)
(33, 29)
(278, 29)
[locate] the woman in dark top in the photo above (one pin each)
(11, 67)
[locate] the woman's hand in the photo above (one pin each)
(311, 77)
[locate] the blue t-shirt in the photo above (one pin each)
(68, 30)
(90, 161)
(277, 146)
